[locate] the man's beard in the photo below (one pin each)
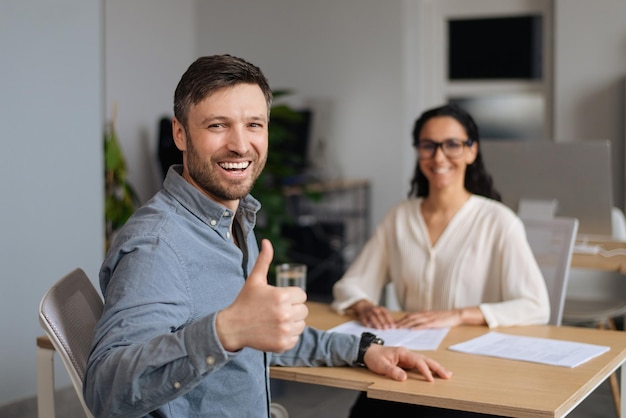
(205, 175)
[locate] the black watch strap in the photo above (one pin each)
(367, 339)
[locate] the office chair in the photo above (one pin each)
(552, 242)
(600, 309)
(68, 313)
(278, 411)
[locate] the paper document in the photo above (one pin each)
(537, 350)
(426, 339)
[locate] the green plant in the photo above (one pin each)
(269, 188)
(120, 198)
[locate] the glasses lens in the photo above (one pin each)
(452, 148)
(426, 149)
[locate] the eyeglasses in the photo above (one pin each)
(452, 148)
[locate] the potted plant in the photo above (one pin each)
(120, 198)
(279, 170)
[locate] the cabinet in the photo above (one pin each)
(331, 226)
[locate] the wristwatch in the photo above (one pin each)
(367, 339)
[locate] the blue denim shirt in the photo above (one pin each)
(156, 353)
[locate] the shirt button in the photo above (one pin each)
(226, 213)
(213, 222)
(210, 360)
(228, 235)
(176, 385)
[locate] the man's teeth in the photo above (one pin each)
(235, 166)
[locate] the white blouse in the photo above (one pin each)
(481, 259)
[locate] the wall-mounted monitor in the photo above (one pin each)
(576, 174)
(507, 47)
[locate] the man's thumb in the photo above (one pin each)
(259, 272)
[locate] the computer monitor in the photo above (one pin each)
(575, 174)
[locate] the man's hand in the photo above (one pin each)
(263, 317)
(393, 361)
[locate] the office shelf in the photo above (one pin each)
(331, 225)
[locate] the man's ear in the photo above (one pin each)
(179, 135)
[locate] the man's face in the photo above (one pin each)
(225, 147)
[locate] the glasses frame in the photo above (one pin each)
(465, 143)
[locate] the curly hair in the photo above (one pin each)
(477, 180)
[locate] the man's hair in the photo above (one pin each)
(209, 74)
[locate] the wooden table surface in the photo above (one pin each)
(602, 262)
(480, 383)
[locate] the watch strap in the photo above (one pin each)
(367, 339)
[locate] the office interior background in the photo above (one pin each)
(66, 62)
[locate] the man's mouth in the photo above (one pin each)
(235, 166)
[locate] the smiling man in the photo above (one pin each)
(190, 325)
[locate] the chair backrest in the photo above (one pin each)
(618, 224)
(552, 243)
(68, 313)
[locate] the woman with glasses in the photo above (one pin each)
(455, 254)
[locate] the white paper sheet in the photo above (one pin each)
(426, 339)
(537, 350)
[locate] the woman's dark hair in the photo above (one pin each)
(477, 180)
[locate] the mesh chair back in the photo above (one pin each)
(552, 242)
(68, 313)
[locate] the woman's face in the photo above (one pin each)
(441, 171)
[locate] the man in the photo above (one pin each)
(190, 325)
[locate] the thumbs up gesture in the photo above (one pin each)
(263, 316)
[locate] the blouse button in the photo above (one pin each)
(213, 222)
(210, 360)
(228, 235)
(176, 385)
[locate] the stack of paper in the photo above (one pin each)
(537, 350)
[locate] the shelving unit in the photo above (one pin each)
(330, 229)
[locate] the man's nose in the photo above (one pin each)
(237, 141)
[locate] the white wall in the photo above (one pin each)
(51, 217)
(347, 66)
(149, 44)
(347, 55)
(351, 59)
(590, 73)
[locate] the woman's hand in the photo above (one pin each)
(373, 316)
(442, 319)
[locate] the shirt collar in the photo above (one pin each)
(213, 214)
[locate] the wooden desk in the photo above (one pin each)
(480, 384)
(600, 262)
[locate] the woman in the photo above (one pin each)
(455, 254)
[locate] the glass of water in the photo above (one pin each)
(291, 274)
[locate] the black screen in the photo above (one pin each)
(495, 48)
